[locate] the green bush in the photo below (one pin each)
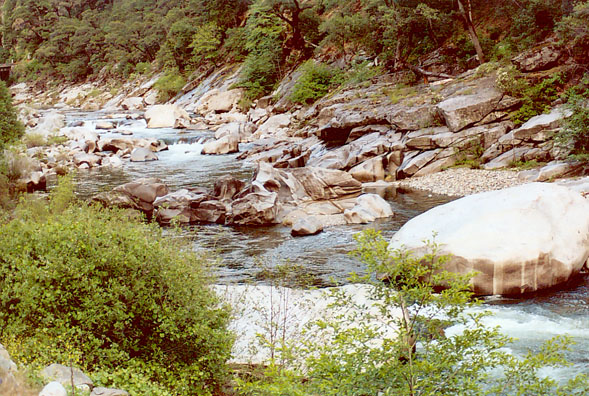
(95, 287)
(11, 129)
(575, 134)
(400, 346)
(573, 32)
(142, 67)
(263, 64)
(169, 85)
(315, 82)
(537, 99)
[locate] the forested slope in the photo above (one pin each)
(71, 40)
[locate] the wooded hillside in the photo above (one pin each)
(72, 40)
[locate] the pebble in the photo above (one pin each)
(458, 182)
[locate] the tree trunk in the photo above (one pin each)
(471, 30)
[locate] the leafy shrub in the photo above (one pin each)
(532, 21)
(206, 43)
(362, 72)
(34, 140)
(169, 85)
(575, 133)
(315, 82)
(114, 291)
(142, 67)
(11, 128)
(574, 32)
(263, 42)
(510, 81)
(537, 99)
(401, 347)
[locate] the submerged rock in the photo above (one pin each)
(519, 240)
(307, 226)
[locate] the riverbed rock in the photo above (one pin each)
(519, 240)
(33, 181)
(142, 154)
(216, 101)
(112, 161)
(84, 158)
(226, 187)
(309, 225)
(132, 103)
(165, 116)
(275, 124)
(368, 208)
(369, 170)
(464, 110)
(105, 125)
(225, 145)
(139, 194)
(100, 391)
(53, 388)
(49, 123)
(63, 375)
(255, 208)
(8, 382)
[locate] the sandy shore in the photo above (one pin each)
(458, 182)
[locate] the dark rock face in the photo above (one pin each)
(538, 58)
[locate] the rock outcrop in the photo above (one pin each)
(518, 240)
(139, 195)
(165, 116)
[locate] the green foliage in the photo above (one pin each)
(206, 43)
(575, 133)
(532, 21)
(361, 72)
(93, 286)
(524, 165)
(315, 82)
(142, 67)
(573, 32)
(396, 343)
(263, 65)
(537, 99)
(169, 85)
(11, 128)
(510, 81)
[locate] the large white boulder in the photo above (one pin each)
(522, 239)
(165, 116)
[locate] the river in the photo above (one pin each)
(246, 251)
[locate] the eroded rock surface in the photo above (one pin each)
(519, 240)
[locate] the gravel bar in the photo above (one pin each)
(458, 182)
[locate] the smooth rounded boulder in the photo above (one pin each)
(518, 240)
(165, 116)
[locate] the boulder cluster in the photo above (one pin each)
(305, 198)
(56, 378)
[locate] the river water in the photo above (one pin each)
(246, 251)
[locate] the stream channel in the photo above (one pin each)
(244, 251)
